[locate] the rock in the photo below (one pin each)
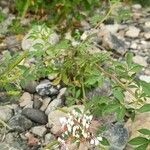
(105, 90)
(53, 39)
(37, 102)
(112, 28)
(30, 86)
(39, 130)
(111, 41)
(61, 93)
(139, 60)
(35, 115)
(147, 36)
(6, 23)
(46, 101)
(133, 46)
(49, 138)
(29, 105)
(5, 113)
(54, 122)
(85, 25)
(53, 105)
(19, 123)
(25, 99)
(132, 32)
(136, 7)
(147, 24)
(145, 78)
(45, 88)
(141, 121)
(117, 136)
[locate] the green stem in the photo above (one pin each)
(25, 9)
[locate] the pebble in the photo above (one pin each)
(5, 113)
(25, 99)
(140, 60)
(35, 115)
(49, 138)
(46, 101)
(61, 93)
(133, 45)
(145, 78)
(19, 123)
(53, 39)
(53, 105)
(37, 102)
(117, 136)
(136, 7)
(132, 32)
(30, 86)
(39, 130)
(147, 35)
(45, 88)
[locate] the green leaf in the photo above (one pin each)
(129, 57)
(121, 113)
(105, 142)
(118, 94)
(146, 87)
(142, 147)
(110, 108)
(138, 141)
(144, 108)
(144, 131)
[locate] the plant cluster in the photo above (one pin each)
(76, 129)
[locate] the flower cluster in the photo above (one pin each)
(75, 127)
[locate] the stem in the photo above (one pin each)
(106, 16)
(117, 80)
(25, 9)
(4, 124)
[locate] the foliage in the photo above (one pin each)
(141, 142)
(2, 16)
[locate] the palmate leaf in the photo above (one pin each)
(138, 141)
(144, 108)
(142, 147)
(144, 131)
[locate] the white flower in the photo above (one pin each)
(96, 142)
(60, 140)
(69, 127)
(85, 135)
(63, 120)
(99, 138)
(84, 122)
(92, 142)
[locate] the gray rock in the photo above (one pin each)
(45, 88)
(46, 101)
(35, 115)
(19, 123)
(145, 78)
(29, 105)
(39, 130)
(111, 41)
(6, 23)
(61, 93)
(49, 138)
(5, 113)
(105, 90)
(25, 99)
(30, 86)
(140, 60)
(117, 136)
(132, 32)
(53, 39)
(53, 105)
(136, 7)
(37, 103)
